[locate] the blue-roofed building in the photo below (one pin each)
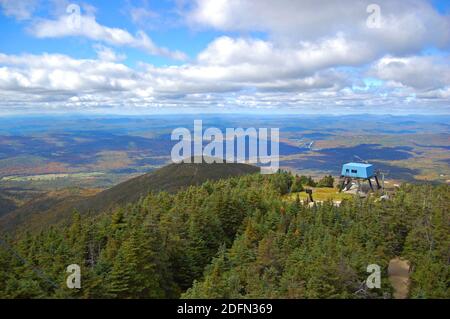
(358, 170)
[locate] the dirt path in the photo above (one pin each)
(398, 271)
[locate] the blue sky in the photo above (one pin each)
(225, 56)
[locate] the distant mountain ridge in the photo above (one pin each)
(171, 178)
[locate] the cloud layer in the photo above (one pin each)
(315, 56)
(86, 26)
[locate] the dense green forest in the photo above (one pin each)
(237, 238)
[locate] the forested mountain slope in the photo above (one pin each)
(49, 210)
(6, 205)
(238, 237)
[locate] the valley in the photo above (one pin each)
(62, 163)
(109, 149)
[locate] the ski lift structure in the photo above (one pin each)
(360, 172)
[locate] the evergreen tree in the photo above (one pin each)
(326, 181)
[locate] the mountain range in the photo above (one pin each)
(56, 206)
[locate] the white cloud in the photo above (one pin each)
(48, 74)
(307, 17)
(50, 80)
(107, 54)
(419, 72)
(406, 26)
(87, 26)
(269, 60)
(304, 18)
(51, 77)
(141, 15)
(21, 10)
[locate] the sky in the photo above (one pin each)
(214, 56)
